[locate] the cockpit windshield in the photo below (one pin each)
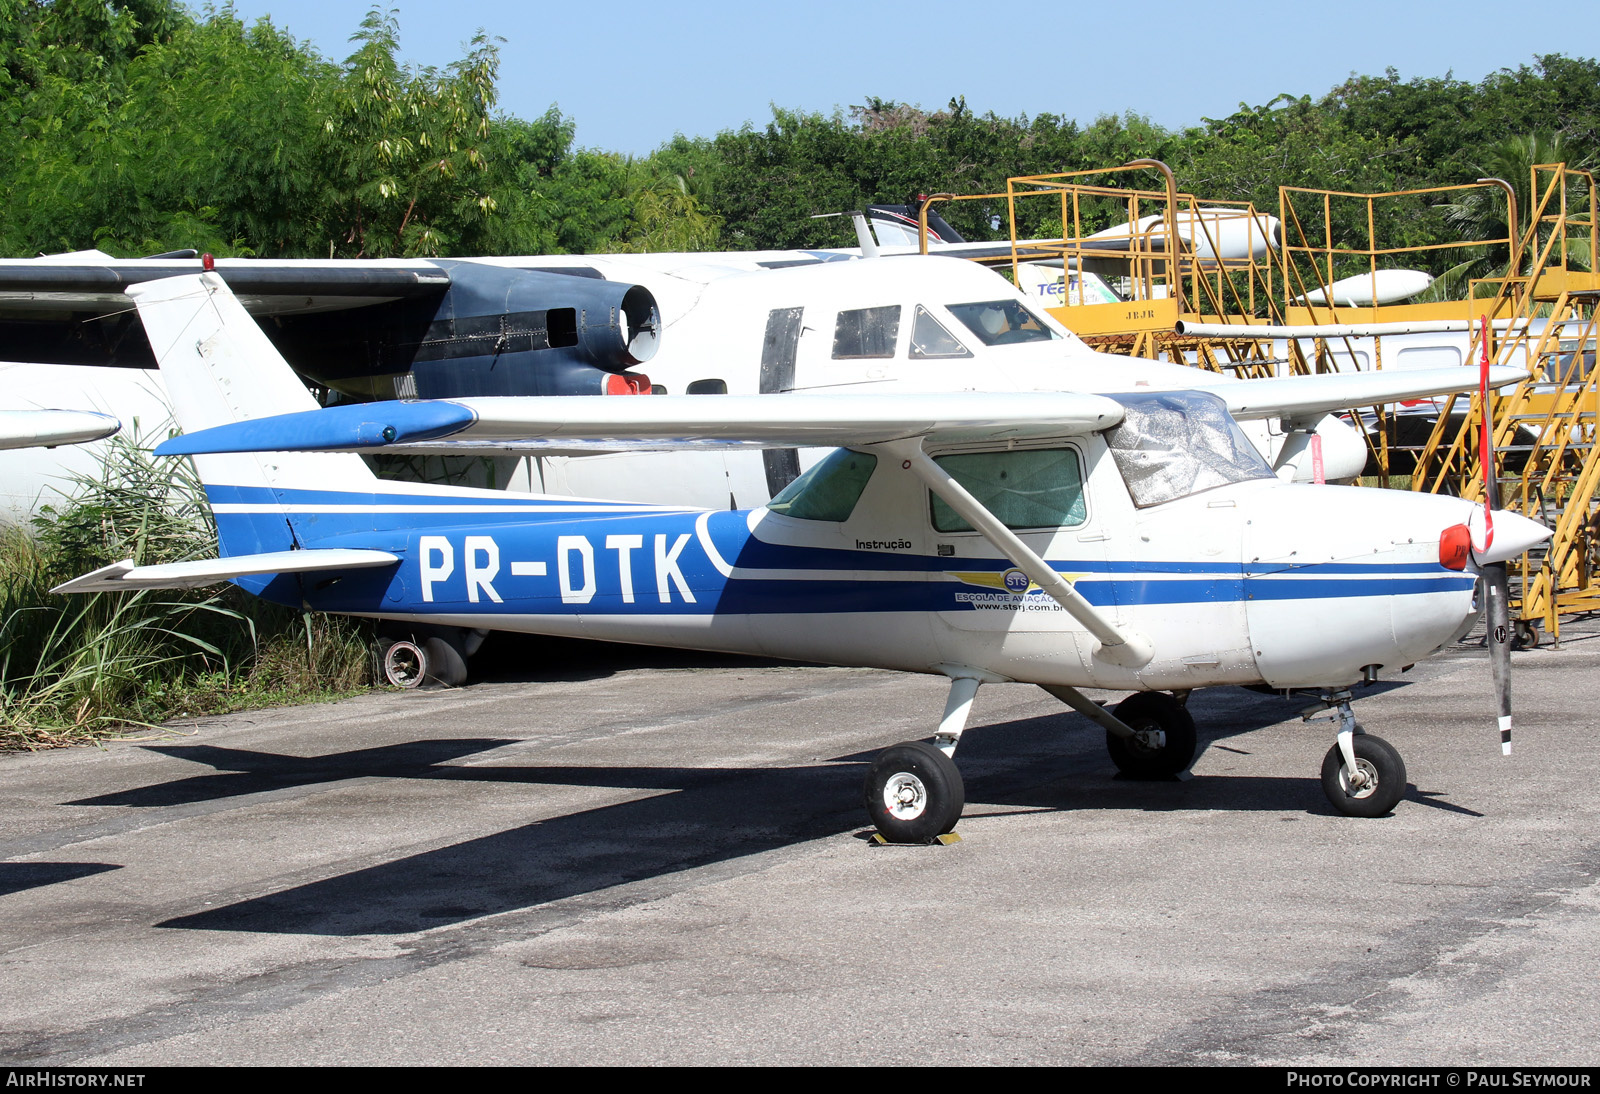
(1002, 322)
(1175, 443)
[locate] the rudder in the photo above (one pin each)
(219, 367)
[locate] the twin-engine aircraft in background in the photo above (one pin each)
(1132, 540)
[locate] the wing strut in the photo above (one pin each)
(1117, 646)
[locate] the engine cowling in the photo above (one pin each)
(495, 330)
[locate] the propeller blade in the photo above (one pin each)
(1497, 584)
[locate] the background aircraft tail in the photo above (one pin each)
(897, 226)
(220, 368)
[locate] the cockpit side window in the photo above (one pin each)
(1175, 443)
(1024, 488)
(866, 332)
(930, 340)
(1002, 322)
(830, 490)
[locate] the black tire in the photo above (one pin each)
(1525, 635)
(914, 793)
(447, 664)
(1153, 710)
(404, 663)
(1378, 759)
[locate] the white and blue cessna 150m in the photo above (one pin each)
(1132, 541)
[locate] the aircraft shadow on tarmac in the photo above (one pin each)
(17, 876)
(508, 658)
(709, 815)
(242, 771)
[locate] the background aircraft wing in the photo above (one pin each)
(662, 422)
(33, 287)
(1308, 396)
(48, 428)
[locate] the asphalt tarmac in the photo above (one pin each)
(609, 856)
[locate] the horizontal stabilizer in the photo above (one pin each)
(661, 422)
(1309, 396)
(209, 571)
(48, 428)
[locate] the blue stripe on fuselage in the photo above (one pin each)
(529, 563)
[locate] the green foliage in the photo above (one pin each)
(554, 200)
(144, 128)
(666, 215)
(406, 147)
(1482, 213)
(153, 130)
(74, 666)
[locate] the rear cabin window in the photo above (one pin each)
(866, 332)
(1002, 322)
(830, 490)
(930, 340)
(1024, 488)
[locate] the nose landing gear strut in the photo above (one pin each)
(1362, 775)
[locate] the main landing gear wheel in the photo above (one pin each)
(1165, 740)
(1380, 778)
(914, 793)
(413, 658)
(404, 664)
(447, 664)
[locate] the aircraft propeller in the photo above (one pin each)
(1496, 578)
(1497, 584)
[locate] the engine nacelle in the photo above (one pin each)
(496, 330)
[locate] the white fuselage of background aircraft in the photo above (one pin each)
(895, 323)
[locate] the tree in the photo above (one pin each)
(666, 216)
(407, 147)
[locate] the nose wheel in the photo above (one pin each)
(1362, 775)
(1373, 786)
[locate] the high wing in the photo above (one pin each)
(48, 428)
(667, 422)
(1310, 396)
(125, 575)
(662, 422)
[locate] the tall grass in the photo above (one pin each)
(73, 667)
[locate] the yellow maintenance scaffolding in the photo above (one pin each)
(1232, 289)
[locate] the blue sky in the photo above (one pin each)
(631, 74)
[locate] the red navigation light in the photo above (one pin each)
(1455, 545)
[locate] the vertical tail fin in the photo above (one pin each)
(219, 367)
